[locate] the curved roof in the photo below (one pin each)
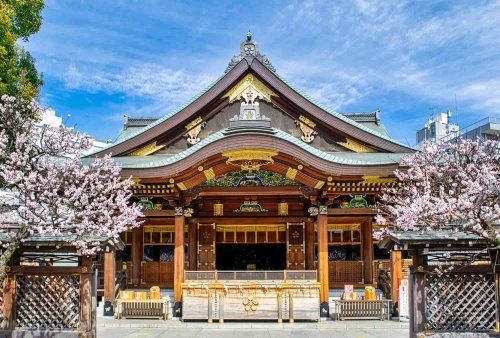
(185, 112)
(271, 139)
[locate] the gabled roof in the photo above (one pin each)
(260, 66)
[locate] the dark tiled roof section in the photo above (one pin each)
(138, 121)
(365, 116)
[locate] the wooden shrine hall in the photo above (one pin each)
(252, 180)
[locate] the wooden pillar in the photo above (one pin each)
(417, 298)
(178, 260)
(9, 299)
(109, 275)
(309, 245)
(86, 295)
(396, 273)
(323, 260)
(193, 243)
(367, 238)
(136, 255)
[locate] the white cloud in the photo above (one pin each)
(165, 87)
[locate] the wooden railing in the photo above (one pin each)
(345, 272)
(272, 275)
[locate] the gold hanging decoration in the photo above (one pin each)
(283, 208)
(218, 209)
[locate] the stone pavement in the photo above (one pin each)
(109, 328)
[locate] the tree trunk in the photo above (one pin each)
(6, 256)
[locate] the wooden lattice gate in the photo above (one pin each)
(48, 302)
(460, 302)
(52, 301)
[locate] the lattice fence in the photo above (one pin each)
(460, 302)
(48, 302)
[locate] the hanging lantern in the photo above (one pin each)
(283, 208)
(218, 209)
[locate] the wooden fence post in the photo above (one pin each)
(418, 293)
(86, 308)
(9, 300)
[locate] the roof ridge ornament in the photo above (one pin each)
(249, 49)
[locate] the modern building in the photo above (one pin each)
(485, 129)
(438, 128)
(252, 179)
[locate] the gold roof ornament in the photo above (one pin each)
(250, 84)
(356, 146)
(250, 159)
(148, 149)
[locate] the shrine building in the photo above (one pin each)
(252, 178)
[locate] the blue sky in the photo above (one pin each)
(103, 59)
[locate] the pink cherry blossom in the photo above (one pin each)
(48, 191)
(446, 185)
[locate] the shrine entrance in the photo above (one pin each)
(251, 256)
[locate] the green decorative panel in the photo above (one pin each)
(242, 178)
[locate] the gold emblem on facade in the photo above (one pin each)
(250, 303)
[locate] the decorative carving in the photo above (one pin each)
(194, 129)
(307, 128)
(250, 206)
(148, 149)
(249, 49)
(188, 212)
(313, 211)
(357, 201)
(378, 179)
(323, 209)
(181, 186)
(319, 184)
(147, 204)
(250, 84)
(209, 174)
(250, 159)
(179, 211)
(356, 146)
(291, 173)
(250, 303)
(241, 178)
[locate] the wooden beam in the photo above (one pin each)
(396, 273)
(136, 255)
(323, 262)
(309, 245)
(192, 234)
(254, 219)
(257, 191)
(367, 243)
(352, 211)
(178, 257)
(109, 275)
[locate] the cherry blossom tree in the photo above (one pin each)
(48, 191)
(453, 185)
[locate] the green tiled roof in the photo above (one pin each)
(346, 158)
